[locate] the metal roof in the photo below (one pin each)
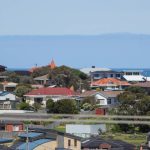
(33, 145)
(3, 141)
(30, 135)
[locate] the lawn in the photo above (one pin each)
(136, 139)
(60, 128)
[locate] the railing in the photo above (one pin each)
(77, 118)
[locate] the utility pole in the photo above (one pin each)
(27, 140)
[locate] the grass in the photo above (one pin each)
(60, 128)
(136, 139)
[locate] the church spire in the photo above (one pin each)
(52, 64)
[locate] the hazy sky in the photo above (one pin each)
(75, 17)
(51, 17)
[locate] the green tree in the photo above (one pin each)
(21, 90)
(134, 101)
(65, 106)
(24, 106)
(50, 106)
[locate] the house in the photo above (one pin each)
(89, 129)
(47, 139)
(144, 85)
(99, 143)
(104, 99)
(8, 100)
(43, 94)
(11, 126)
(96, 75)
(133, 76)
(2, 68)
(93, 69)
(110, 84)
(42, 80)
(9, 86)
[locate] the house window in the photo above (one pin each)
(111, 75)
(75, 143)
(136, 73)
(69, 143)
(118, 75)
(129, 73)
(109, 101)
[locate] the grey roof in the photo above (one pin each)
(55, 133)
(45, 77)
(95, 142)
(88, 70)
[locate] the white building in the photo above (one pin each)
(7, 100)
(85, 131)
(133, 76)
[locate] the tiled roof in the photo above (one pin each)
(111, 93)
(52, 91)
(110, 81)
(104, 93)
(143, 84)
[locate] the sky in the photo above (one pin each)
(78, 33)
(83, 17)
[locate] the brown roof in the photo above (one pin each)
(111, 93)
(105, 93)
(143, 84)
(88, 93)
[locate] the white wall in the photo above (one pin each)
(103, 100)
(8, 96)
(85, 131)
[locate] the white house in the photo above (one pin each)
(103, 98)
(133, 76)
(43, 94)
(7, 100)
(85, 131)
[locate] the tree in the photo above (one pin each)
(24, 106)
(134, 101)
(21, 90)
(65, 106)
(50, 106)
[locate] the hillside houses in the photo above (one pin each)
(43, 94)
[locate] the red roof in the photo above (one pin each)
(52, 91)
(109, 81)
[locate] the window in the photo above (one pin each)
(75, 143)
(111, 75)
(96, 75)
(109, 101)
(136, 73)
(129, 73)
(118, 75)
(69, 143)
